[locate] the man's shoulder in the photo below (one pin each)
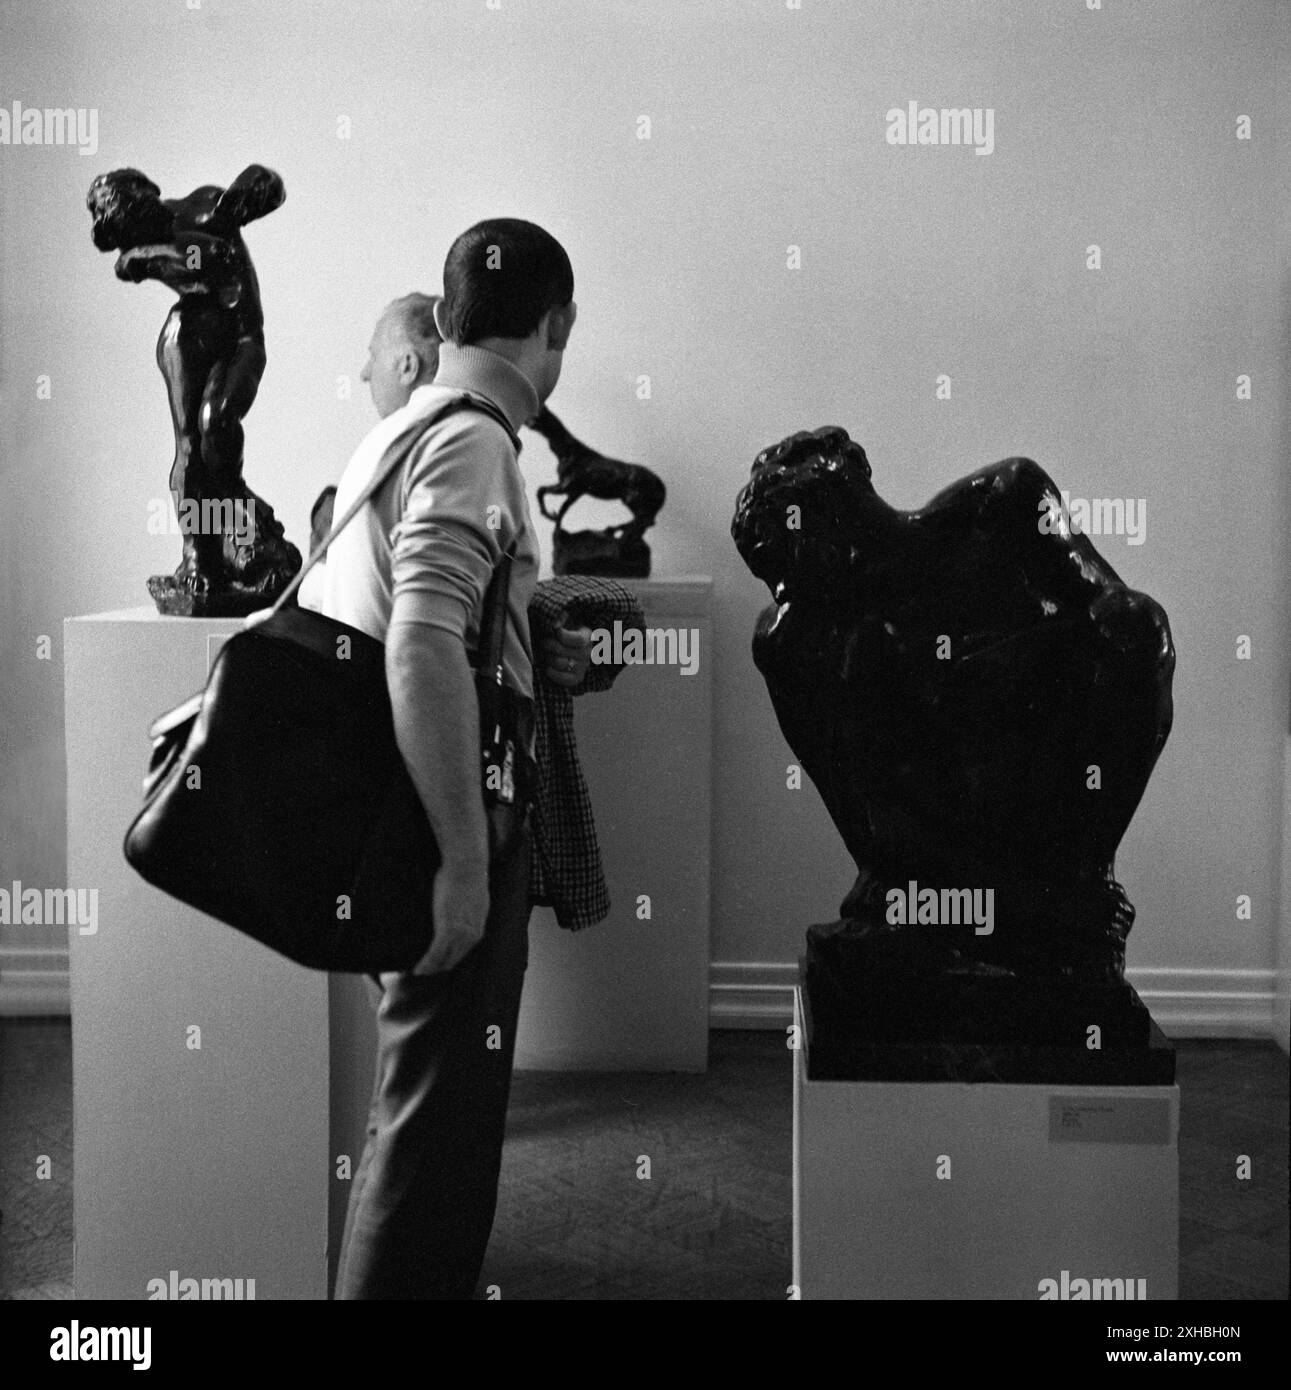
(472, 431)
(426, 434)
(454, 413)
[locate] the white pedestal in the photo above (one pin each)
(1042, 1179)
(211, 1161)
(218, 1162)
(631, 993)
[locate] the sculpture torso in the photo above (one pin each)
(207, 260)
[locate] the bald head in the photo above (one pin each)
(404, 352)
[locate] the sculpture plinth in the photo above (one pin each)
(980, 701)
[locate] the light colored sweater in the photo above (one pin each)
(426, 546)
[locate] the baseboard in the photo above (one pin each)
(34, 980)
(1185, 1003)
(759, 994)
(751, 994)
(1209, 1003)
(1282, 1005)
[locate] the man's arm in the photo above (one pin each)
(437, 728)
(444, 553)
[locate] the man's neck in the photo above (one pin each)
(479, 368)
(522, 353)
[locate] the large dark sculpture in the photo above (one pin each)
(617, 551)
(211, 352)
(980, 701)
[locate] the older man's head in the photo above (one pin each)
(403, 353)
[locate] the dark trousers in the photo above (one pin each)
(423, 1197)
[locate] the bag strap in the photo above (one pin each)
(394, 456)
(495, 619)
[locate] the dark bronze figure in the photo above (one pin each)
(617, 551)
(980, 701)
(211, 352)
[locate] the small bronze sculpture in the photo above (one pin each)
(980, 701)
(617, 551)
(211, 352)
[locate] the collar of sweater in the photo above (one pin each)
(486, 373)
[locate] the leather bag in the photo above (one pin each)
(277, 799)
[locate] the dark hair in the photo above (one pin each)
(327, 493)
(501, 277)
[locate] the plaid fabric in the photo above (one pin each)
(565, 866)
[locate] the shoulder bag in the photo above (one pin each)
(277, 799)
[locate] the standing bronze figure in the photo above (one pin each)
(211, 352)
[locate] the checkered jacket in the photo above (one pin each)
(565, 868)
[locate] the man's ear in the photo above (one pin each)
(408, 368)
(560, 322)
(441, 318)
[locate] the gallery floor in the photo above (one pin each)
(712, 1220)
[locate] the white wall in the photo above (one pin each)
(1113, 127)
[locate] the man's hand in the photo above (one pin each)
(460, 902)
(566, 656)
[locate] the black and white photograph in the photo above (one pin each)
(646, 656)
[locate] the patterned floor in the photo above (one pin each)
(713, 1220)
(35, 1119)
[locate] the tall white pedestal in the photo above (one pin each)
(200, 1059)
(216, 1084)
(1042, 1179)
(631, 993)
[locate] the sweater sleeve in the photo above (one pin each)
(463, 504)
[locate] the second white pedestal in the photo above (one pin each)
(1034, 1180)
(631, 993)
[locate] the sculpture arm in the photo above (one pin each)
(193, 261)
(1017, 502)
(149, 263)
(255, 193)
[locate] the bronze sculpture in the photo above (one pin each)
(211, 352)
(617, 551)
(980, 701)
